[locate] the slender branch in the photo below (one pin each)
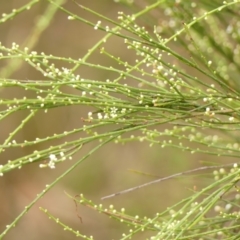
(166, 178)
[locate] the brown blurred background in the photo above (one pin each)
(103, 173)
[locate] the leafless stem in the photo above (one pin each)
(166, 178)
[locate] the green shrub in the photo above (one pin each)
(172, 82)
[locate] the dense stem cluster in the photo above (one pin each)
(181, 91)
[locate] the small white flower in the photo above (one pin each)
(89, 114)
(235, 165)
(52, 157)
(99, 116)
(51, 164)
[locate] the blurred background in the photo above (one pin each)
(106, 171)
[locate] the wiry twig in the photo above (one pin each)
(166, 178)
(75, 201)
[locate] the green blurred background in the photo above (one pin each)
(103, 173)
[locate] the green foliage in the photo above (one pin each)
(185, 77)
